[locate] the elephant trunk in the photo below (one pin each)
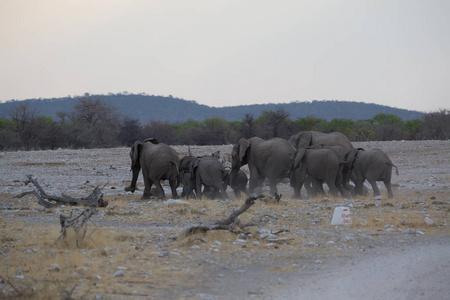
(135, 170)
(233, 177)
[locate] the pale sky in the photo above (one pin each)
(226, 53)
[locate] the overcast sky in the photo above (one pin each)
(224, 53)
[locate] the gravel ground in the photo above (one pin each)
(394, 248)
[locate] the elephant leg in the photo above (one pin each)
(297, 179)
(223, 192)
(198, 187)
(273, 186)
(256, 181)
(148, 186)
(340, 187)
(315, 187)
(173, 186)
(359, 184)
(387, 184)
(332, 187)
(159, 189)
(375, 189)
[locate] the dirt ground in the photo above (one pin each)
(129, 251)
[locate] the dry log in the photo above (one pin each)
(95, 199)
(229, 223)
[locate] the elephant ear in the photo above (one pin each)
(193, 164)
(151, 140)
(301, 140)
(243, 147)
(134, 153)
(298, 157)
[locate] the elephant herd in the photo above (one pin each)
(308, 159)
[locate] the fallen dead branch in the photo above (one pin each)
(78, 223)
(231, 223)
(10, 284)
(95, 199)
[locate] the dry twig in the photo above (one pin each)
(78, 223)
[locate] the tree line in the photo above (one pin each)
(94, 123)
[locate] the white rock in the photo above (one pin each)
(176, 202)
(429, 221)
(54, 267)
(239, 242)
(119, 274)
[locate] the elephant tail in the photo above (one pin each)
(396, 169)
(175, 168)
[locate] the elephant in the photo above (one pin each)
(304, 139)
(188, 184)
(237, 180)
(323, 165)
(158, 162)
(265, 158)
(206, 171)
(373, 165)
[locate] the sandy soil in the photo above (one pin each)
(394, 249)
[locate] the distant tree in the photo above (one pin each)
(188, 131)
(436, 125)
(308, 123)
(235, 134)
(342, 125)
(219, 130)
(24, 125)
(386, 119)
(363, 130)
(130, 131)
(248, 124)
(6, 133)
(388, 127)
(412, 129)
(97, 123)
(274, 124)
(164, 132)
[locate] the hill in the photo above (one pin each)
(148, 107)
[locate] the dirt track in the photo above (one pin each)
(134, 236)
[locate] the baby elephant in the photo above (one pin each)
(237, 180)
(373, 165)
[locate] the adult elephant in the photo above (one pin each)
(206, 171)
(269, 159)
(371, 165)
(158, 162)
(322, 164)
(305, 139)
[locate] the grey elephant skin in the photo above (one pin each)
(322, 164)
(304, 139)
(206, 171)
(237, 180)
(158, 161)
(269, 159)
(371, 165)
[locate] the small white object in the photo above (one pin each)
(341, 216)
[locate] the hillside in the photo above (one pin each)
(146, 108)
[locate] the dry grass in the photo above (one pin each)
(52, 267)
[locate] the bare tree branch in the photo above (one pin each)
(230, 223)
(95, 199)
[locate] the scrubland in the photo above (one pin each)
(129, 250)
